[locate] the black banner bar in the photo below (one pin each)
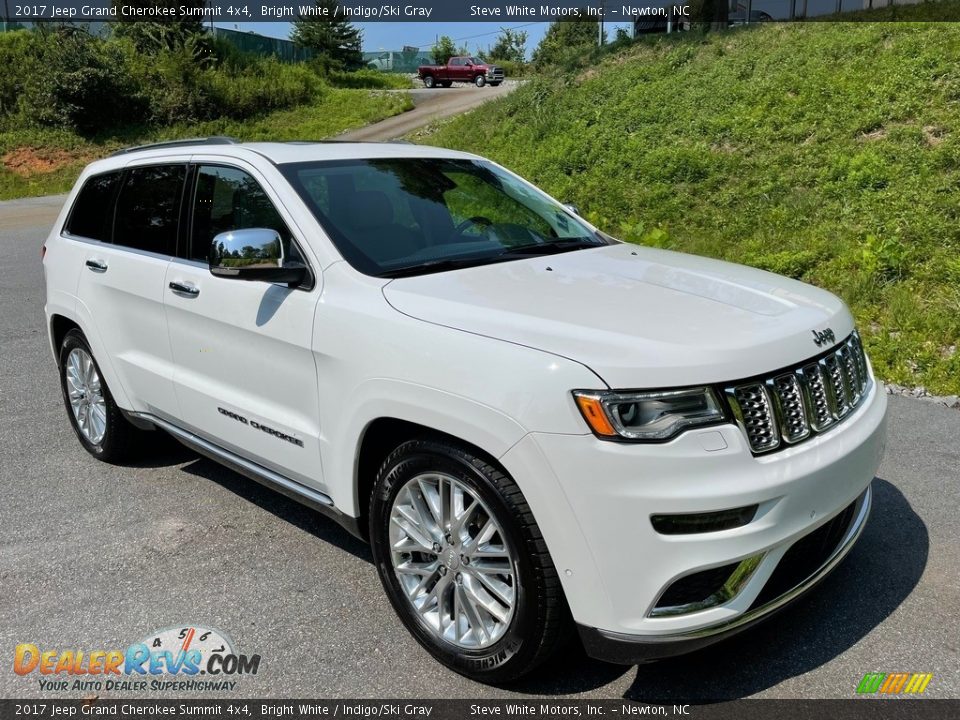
(854, 709)
(649, 11)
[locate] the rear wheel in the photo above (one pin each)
(463, 562)
(99, 424)
(480, 81)
(428, 81)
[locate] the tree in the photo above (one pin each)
(335, 40)
(566, 39)
(711, 14)
(151, 38)
(443, 50)
(511, 45)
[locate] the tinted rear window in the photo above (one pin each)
(148, 208)
(93, 210)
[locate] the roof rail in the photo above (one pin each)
(215, 140)
(336, 141)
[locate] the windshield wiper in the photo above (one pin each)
(550, 247)
(433, 266)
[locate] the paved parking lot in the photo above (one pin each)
(96, 557)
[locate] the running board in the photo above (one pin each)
(273, 480)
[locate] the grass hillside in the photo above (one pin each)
(826, 152)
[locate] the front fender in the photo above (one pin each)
(471, 421)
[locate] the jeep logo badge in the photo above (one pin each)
(823, 337)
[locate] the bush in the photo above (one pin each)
(513, 69)
(84, 84)
(71, 80)
(179, 89)
(20, 60)
(268, 85)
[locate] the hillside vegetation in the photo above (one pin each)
(69, 97)
(826, 152)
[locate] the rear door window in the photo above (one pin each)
(148, 208)
(92, 214)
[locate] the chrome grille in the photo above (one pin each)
(791, 406)
(757, 417)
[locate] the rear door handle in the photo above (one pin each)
(185, 289)
(97, 265)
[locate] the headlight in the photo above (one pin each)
(649, 416)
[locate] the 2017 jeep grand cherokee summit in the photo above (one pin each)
(536, 427)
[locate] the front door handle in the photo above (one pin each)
(97, 265)
(185, 289)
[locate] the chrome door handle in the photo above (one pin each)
(184, 289)
(97, 265)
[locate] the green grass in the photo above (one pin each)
(827, 152)
(336, 111)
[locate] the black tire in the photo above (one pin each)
(446, 83)
(429, 82)
(480, 81)
(540, 624)
(496, 83)
(121, 441)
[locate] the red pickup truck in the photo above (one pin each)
(461, 69)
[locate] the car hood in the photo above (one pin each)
(638, 317)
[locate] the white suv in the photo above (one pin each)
(536, 426)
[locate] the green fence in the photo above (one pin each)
(283, 50)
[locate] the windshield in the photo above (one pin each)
(409, 216)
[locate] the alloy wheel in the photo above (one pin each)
(86, 395)
(453, 561)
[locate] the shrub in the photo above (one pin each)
(85, 82)
(268, 85)
(19, 58)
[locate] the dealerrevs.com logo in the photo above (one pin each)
(187, 658)
(900, 683)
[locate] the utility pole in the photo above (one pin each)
(600, 27)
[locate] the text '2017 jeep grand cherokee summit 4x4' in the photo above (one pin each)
(536, 427)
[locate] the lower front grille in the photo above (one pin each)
(805, 557)
(706, 588)
(696, 588)
(791, 406)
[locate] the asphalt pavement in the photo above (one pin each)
(96, 557)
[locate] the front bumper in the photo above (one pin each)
(633, 649)
(594, 500)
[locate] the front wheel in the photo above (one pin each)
(428, 81)
(495, 83)
(463, 562)
(480, 81)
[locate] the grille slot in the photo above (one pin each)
(757, 417)
(791, 406)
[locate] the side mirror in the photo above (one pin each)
(572, 208)
(254, 254)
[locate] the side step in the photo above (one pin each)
(275, 481)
